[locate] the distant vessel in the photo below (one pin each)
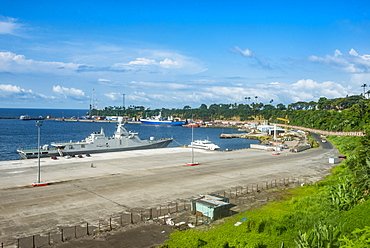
(28, 118)
(97, 142)
(159, 120)
(191, 125)
(204, 144)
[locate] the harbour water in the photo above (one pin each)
(15, 134)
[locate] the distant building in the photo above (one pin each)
(211, 206)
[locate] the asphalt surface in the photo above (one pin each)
(121, 181)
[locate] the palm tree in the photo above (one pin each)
(256, 99)
(248, 98)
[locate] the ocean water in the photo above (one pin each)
(15, 133)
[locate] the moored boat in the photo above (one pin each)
(191, 125)
(159, 120)
(97, 142)
(204, 144)
(28, 118)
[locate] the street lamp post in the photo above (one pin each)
(38, 124)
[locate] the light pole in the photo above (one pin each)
(38, 124)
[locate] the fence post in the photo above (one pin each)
(49, 239)
(33, 241)
(132, 219)
(61, 235)
(18, 243)
(160, 210)
(151, 214)
(75, 232)
(141, 215)
(120, 221)
(177, 207)
(110, 223)
(184, 205)
(87, 228)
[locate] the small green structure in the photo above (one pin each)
(211, 206)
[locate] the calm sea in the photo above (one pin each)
(15, 133)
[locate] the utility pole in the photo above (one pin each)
(123, 101)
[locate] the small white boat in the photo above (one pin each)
(204, 144)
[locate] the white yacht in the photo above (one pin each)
(204, 144)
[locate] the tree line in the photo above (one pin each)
(350, 113)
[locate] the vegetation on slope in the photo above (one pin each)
(332, 213)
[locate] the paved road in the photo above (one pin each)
(134, 179)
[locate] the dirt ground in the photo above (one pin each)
(153, 234)
(141, 235)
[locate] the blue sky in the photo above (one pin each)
(54, 54)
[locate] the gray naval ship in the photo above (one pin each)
(97, 142)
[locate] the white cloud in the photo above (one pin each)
(143, 61)
(245, 53)
(69, 92)
(104, 80)
(309, 90)
(10, 62)
(9, 25)
(169, 63)
(249, 54)
(351, 63)
(11, 92)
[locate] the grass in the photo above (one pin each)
(326, 214)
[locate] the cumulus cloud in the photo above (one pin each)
(310, 90)
(8, 91)
(69, 92)
(10, 62)
(351, 62)
(9, 25)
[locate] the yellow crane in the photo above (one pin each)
(282, 119)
